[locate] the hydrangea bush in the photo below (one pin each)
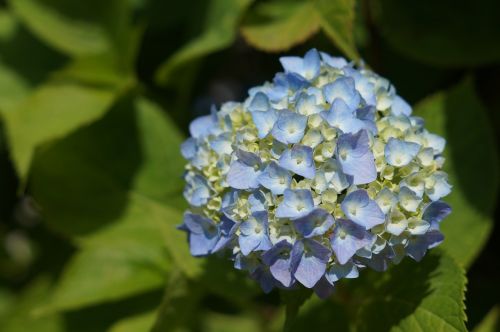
(314, 177)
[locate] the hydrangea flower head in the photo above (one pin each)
(317, 175)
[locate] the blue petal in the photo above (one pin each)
(323, 288)
(356, 158)
(335, 175)
(408, 199)
(203, 234)
(278, 259)
(361, 209)
(308, 67)
(275, 178)
(228, 229)
(400, 107)
(317, 222)
(188, 148)
(309, 259)
(257, 201)
(248, 158)
(265, 279)
(344, 89)
(290, 127)
(378, 262)
(347, 238)
(334, 62)
(248, 263)
(418, 245)
(338, 271)
(241, 176)
(197, 191)
(294, 82)
(296, 203)
(440, 187)
(264, 121)
(367, 115)
(299, 159)
(437, 143)
(400, 153)
(306, 104)
(435, 212)
(259, 103)
(202, 126)
(342, 117)
(222, 144)
(292, 64)
(312, 64)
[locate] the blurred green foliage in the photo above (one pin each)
(95, 98)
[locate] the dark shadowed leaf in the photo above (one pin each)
(491, 322)
(120, 181)
(18, 72)
(445, 33)
(220, 31)
(138, 323)
(52, 111)
(179, 310)
(471, 162)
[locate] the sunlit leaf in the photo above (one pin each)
(124, 267)
(20, 317)
(76, 28)
(279, 25)
(471, 162)
(337, 21)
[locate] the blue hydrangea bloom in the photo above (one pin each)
(317, 175)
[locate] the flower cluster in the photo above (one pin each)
(315, 176)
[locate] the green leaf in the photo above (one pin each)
(216, 322)
(445, 33)
(115, 187)
(293, 300)
(491, 322)
(337, 21)
(138, 323)
(472, 164)
(122, 268)
(279, 25)
(179, 308)
(20, 317)
(76, 28)
(315, 314)
(53, 110)
(220, 32)
(423, 296)
(36, 112)
(221, 278)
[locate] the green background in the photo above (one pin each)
(95, 99)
